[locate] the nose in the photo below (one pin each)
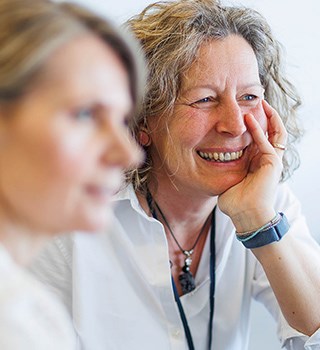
(230, 118)
(121, 150)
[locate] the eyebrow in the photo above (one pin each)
(213, 87)
(252, 85)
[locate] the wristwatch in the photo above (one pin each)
(270, 234)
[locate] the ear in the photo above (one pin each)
(144, 137)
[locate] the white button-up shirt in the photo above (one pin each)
(117, 285)
(30, 317)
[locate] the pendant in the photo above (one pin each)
(186, 279)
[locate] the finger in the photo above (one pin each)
(277, 133)
(258, 134)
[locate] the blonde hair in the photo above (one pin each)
(31, 30)
(171, 33)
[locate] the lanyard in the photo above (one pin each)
(212, 290)
(212, 282)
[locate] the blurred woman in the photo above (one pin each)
(69, 83)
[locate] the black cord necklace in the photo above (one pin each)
(212, 282)
(186, 278)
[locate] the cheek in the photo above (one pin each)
(260, 116)
(67, 157)
(189, 129)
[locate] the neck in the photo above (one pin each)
(183, 211)
(21, 243)
(186, 222)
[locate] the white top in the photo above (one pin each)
(118, 285)
(30, 318)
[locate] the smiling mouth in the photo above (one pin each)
(221, 157)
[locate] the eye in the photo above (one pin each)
(203, 103)
(83, 113)
(249, 97)
(204, 100)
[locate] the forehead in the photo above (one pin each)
(229, 59)
(87, 68)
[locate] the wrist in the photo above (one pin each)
(250, 221)
(243, 236)
(271, 232)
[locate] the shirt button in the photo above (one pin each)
(176, 333)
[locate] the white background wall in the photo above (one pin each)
(295, 24)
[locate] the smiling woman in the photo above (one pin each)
(216, 91)
(64, 145)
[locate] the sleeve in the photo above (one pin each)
(290, 338)
(31, 319)
(22, 329)
(300, 341)
(53, 267)
(10, 341)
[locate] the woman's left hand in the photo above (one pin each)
(250, 203)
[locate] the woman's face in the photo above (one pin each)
(207, 148)
(64, 144)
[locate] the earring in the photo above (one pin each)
(144, 138)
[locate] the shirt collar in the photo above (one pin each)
(128, 194)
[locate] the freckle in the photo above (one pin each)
(279, 258)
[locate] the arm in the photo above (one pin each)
(292, 268)
(291, 265)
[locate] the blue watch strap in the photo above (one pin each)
(270, 235)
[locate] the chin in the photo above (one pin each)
(89, 221)
(228, 182)
(92, 223)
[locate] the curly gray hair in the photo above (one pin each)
(171, 33)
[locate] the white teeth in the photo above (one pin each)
(221, 157)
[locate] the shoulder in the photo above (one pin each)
(53, 267)
(55, 256)
(285, 196)
(289, 204)
(27, 309)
